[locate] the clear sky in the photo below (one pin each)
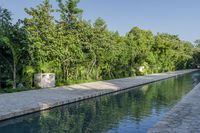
(181, 17)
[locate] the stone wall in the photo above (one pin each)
(44, 80)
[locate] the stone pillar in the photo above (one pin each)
(44, 80)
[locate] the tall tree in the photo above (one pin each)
(13, 45)
(41, 30)
(141, 43)
(69, 11)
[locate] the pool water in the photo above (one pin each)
(132, 111)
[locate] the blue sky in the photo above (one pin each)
(181, 17)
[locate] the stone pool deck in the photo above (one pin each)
(184, 117)
(21, 103)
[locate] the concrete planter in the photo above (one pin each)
(44, 80)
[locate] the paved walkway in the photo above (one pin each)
(184, 117)
(20, 103)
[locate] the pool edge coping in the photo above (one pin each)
(25, 111)
(183, 117)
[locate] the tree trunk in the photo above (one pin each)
(0, 77)
(67, 77)
(14, 74)
(89, 72)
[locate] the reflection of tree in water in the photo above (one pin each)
(101, 114)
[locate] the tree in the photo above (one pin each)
(184, 55)
(70, 28)
(197, 43)
(77, 50)
(69, 11)
(41, 32)
(12, 43)
(100, 23)
(141, 43)
(165, 45)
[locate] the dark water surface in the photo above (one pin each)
(130, 111)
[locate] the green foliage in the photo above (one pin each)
(100, 23)
(12, 46)
(69, 11)
(141, 42)
(78, 51)
(41, 35)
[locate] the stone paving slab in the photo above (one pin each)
(184, 117)
(21, 103)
